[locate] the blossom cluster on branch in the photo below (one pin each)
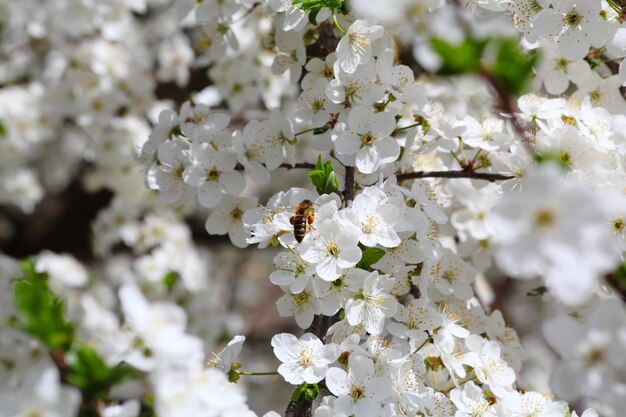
(449, 145)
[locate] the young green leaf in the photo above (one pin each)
(320, 130)
(170, 279)
(540, 290)
(323, 177)
(305, 392)
(369, 257)
(89, 372)
(512, 67)
(620, 275)
(310, 5)
(562, 159)
(462, 58)
(41, 312)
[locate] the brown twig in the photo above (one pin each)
(326, 43)
(613, 66)
(508, 107)
(299, 165)
(488, 176)
(617, 286)
(348, 192)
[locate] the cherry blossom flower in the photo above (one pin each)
(368, 143)
(355, 47)
(305, 359)
(373, 304)
(333, 249)
(358, 391)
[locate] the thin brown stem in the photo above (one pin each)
(613, 66)
(326, 43)
(487, 176)
(299, 165)
(508, 107)
(348, 192)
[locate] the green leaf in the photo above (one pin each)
(313, 16)
(512, 67)
(620, 275)
(323, 177)
(320, 130)
(459, 58)
(562, 159)
(568, 412)
(305, 392)
(89, 372)
(3, 130)
(316, 5)
(345, 8)
(369, 257)
(540, 290)
(170, 280)
(41, 312)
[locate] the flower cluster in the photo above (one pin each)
(458, 144)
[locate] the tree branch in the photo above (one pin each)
(613, 66)
(326, 43)
(488, 176)
(348, 191)
(299, 165)
(507, 106)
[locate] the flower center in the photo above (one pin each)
(449, 275)
(332, 249)
(236, 214)
(572, 19)
(317, 105)
(359, 41)
(369, 225)
(301, 298)
(367, 139)
(299, 268)
(305, 358)
(595, 356)
(535, 6)
(561, 64)
(213, 175)
(618, 225)
(544, 218)
(178, 173)
(595, 96)
(357, 392)
(568, 120)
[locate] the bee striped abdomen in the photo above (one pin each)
(299, 227)
(302, 219)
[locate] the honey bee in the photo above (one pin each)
(303, 219)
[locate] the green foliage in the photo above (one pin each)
(3, 130)
(92, 375)
(568, 412)
(323, 177)
(369, 257)
(41, 311)
(305, 392)
(459, 58)
(562, 159)
(314, 7)
(512, 67)
(620, 275)
(540, 290)
(170, 280)
(320, 130)
(41, 314)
